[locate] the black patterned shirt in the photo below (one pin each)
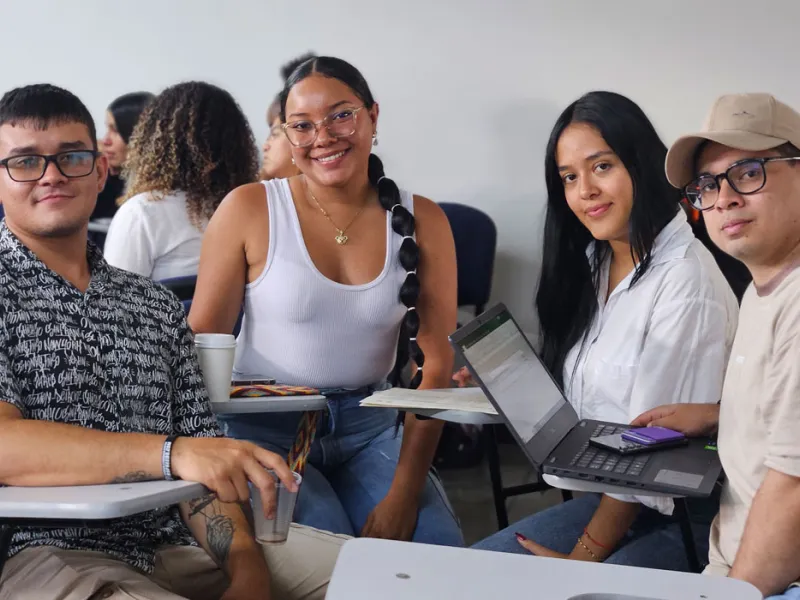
(119, 357)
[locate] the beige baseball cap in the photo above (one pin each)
(742, 121)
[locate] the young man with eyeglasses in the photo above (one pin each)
(99, 383)
(743, 171)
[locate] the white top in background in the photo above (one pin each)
(305, 329)
(663, 341)
(154, 238)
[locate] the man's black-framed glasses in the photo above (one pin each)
(32, 167)
(746, 176)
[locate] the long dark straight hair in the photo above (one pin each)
(567, 298)
(126, 111)
(403, 223)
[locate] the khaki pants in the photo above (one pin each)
(300, 569)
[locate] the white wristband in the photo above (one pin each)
(166, 457)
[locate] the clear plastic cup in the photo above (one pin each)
(276, 530)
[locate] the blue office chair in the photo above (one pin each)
(475, 237)
(183, 288)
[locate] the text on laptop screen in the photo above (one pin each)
(516, 379)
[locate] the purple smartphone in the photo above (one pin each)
(650, 436)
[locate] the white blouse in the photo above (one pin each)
(665, 340)
(154, 238)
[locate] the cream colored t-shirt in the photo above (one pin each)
(760, 412)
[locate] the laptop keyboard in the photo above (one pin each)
(597, 459)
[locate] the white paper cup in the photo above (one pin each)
(274, 531)
(216, 352)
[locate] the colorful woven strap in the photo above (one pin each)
(306, 430)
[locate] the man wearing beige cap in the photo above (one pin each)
(742, 171)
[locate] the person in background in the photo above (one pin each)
(634, 313)
(329, 264)
(277, 161)
(100, 383)
(121, 117)
(191, 147)
(742, 171)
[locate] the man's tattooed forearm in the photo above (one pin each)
(219, 527)
(219, 534)
(133, 477)
(198, 504)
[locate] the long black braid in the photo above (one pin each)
(403, 223)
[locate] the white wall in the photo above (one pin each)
(468, 89)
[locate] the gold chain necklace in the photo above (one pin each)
(340, 236)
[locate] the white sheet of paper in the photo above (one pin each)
(470, 399)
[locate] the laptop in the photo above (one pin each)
(547, 428)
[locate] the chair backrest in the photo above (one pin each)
(183, 288)
(475, 237)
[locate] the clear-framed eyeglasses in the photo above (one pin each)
(340, 123)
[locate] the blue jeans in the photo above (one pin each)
(792, 593)
(350, 467)
(653, 541)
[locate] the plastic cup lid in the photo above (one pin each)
(215, 340)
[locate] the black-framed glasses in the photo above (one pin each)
(341, 123)
(32, 167)
(745, 177)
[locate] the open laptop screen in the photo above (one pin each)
(504, 361)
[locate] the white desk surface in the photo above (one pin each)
(458, 416)
(94, 501)
(269, 404)
(100, 225)
(581, 485)
(389, 570)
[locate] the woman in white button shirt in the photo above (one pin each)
(634, 313)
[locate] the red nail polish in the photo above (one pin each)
(521, 537)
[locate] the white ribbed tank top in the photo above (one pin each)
(305, 329)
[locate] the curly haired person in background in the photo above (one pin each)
(191, 147)
(329, 264)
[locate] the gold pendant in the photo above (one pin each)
(341, 239)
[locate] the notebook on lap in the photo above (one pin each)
(547, 428)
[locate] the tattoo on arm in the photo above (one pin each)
(220, 536)
(219, 527)
(198, 504)
(133, 477)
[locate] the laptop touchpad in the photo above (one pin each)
(679, 478)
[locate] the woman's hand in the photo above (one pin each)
(578, 553)
(393, 518)
(463, 378)
(693, 420)
(538, 549)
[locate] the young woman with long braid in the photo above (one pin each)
(329, 264)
